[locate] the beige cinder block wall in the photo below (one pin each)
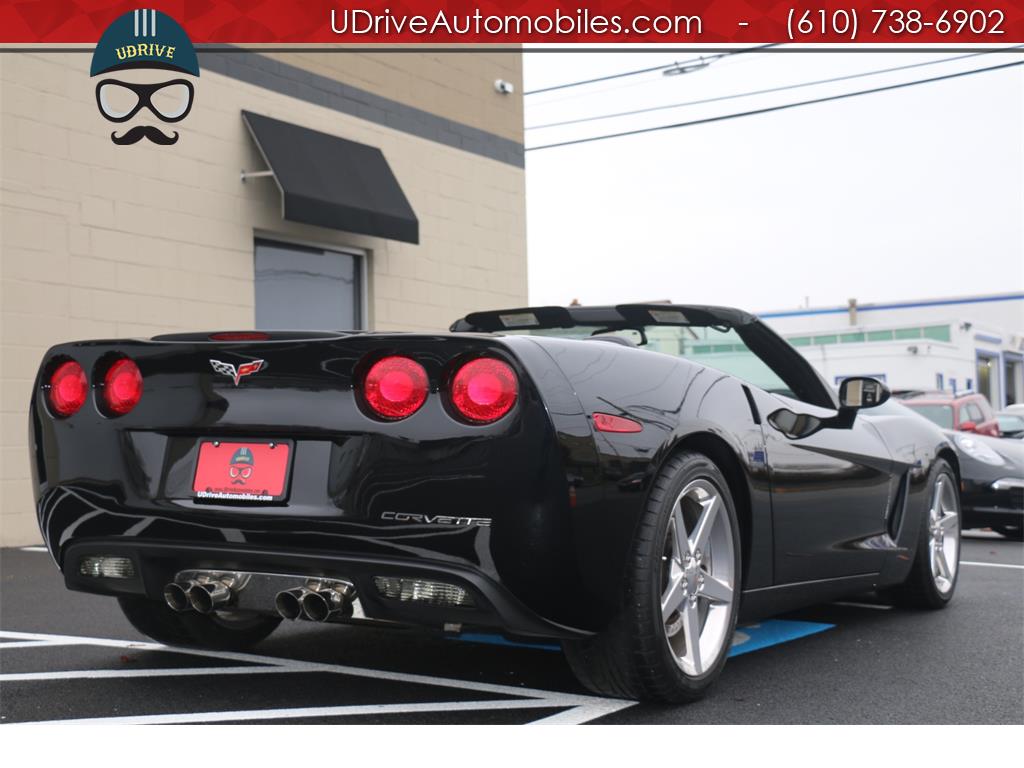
(98, 240)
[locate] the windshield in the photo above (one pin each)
(718, 348)
(937, 414)
(1009, 423)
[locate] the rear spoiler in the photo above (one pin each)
(609, 317)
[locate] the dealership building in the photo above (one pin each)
(306, 190)
(954, 344)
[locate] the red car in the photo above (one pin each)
(968, 412)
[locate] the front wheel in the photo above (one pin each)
(672, 633)
(932, 578)
(220, 630)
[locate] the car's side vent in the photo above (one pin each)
(898, 503)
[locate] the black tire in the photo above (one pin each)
(920, 590)
(227, 633)
(631, 658)
(1011, 532)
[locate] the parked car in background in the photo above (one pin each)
(969, 412)
(1010, 424)
(991, 477)
(991, 483)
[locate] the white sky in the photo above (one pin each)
(913, 193)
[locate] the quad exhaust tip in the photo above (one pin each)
(317, 601)
(204, 596)
(176, 596)
(208, 596)
(289, 602)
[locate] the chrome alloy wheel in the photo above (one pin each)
(698, 578)
(944, 533)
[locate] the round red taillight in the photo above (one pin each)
(484, 390)
(395, 387)
(122, 387)
(68, 388)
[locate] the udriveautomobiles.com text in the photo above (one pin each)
(357, 21)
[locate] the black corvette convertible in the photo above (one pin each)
(630, 480)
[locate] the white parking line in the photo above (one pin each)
(580, 715)
(297, 712)
(993, 565)
(33, 549)
(37, 644)
(580, 709)
(100, 674)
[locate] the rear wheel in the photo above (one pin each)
(222, 630)
(932, 578)
(673, 631)
(1011, 532)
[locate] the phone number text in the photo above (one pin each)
(848, 23)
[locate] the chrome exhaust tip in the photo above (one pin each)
(327, 601)
(176, 596)
(208, 596)
(289, 603)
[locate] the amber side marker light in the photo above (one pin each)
(68, 388)
(605, 422)
(122, 387)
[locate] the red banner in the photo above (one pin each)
(990, 22)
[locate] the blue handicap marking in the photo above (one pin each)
(752, 637)
(488, 639)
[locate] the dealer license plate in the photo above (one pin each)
(250, 471)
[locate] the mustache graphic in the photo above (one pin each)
(140, 132)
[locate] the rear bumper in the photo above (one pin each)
(157, 562)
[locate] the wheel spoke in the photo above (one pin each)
(716, 590)
(702, 531)
(673, 596)
(680, 544)
(948, 521)
(691, 631)
(941, 566)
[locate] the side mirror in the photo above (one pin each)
(968, 426)
(861, 392)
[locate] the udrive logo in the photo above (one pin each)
(150, 68)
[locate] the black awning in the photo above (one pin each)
(333, 182)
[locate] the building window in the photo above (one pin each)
(940, 383)
(301, 288)
(988, 377)
(1013, 380)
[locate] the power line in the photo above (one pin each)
(762, 91)
(776, 108)
(703, 59)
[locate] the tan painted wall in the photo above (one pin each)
(454, 85)
(104, 241)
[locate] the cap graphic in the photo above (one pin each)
(242, 456)
(144, 38)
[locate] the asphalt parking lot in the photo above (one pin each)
(70, 656)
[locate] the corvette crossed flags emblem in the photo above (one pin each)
(236, 374)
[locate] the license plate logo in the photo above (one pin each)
(241, 471)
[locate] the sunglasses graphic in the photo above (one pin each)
(120, 101)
